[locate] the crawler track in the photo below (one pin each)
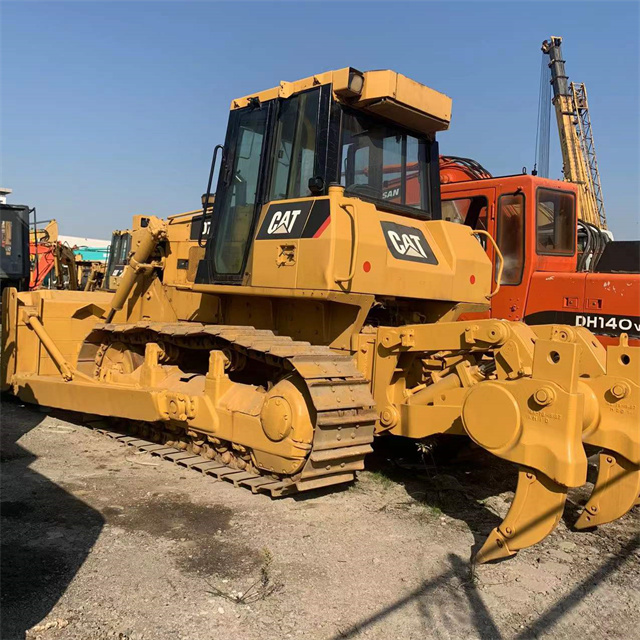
(214, 468)
(340, 396)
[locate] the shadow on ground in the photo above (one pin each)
(457, 584)
(46, 532)
(454, 477)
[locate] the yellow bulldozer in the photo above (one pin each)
(269, 343)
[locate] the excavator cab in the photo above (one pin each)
(14, 246)
(295, 142)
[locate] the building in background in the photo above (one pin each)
(89, 249)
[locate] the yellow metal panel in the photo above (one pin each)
(287, 89)
(401, 99)
(462, 273)
(386, 93)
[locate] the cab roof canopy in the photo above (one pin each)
(385, 93)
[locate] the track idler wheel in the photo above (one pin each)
(534, 513)
(287, 422)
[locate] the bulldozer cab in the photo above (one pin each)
(294, 141)
(118, 258)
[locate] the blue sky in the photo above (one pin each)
(112, 109)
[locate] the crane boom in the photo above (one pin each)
(580, 164)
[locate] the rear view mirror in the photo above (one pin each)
(316, 186)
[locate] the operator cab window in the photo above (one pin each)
(295, 148)
(555, 222)
(119, 253)
(114, 251)
(469, 211)
(6, 228)
(455, 210)
(124, 247)
(383, 163)
(415, 174)
(510, 237)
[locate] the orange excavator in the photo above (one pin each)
(558, 268)
(561, 264)
(50, 257)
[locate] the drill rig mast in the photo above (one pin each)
(580, 164)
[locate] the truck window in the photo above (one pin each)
(510, 237)
(469, 211)
(555, 222)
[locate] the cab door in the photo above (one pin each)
(471, 204)
(499, 209)
(509, 232)
(239, 196)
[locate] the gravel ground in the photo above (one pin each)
(99, 542)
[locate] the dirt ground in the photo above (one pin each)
(99, 542)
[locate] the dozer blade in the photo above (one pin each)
(534, 513)
(616, 491)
